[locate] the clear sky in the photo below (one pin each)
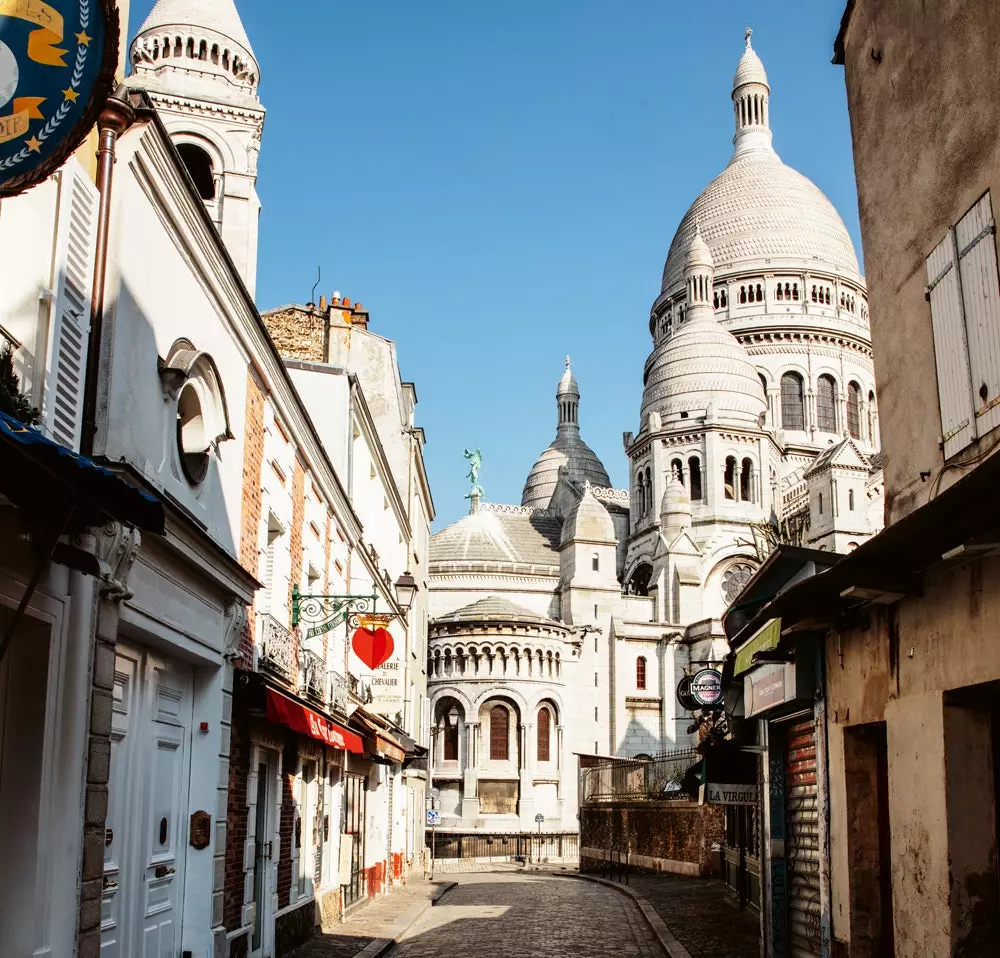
(499, 183)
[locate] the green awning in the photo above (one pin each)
(765, 639)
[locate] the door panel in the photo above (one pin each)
(150, 773)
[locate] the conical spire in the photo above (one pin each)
(751, 97)
(568, 400)
(699, 274)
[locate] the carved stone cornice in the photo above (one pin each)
(236, 622)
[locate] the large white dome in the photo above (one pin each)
(760, 213)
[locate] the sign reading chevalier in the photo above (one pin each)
(57, 65)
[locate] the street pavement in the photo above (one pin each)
(529, 915)
(508, 914)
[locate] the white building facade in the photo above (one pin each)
(758, 424)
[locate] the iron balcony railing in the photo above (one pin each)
(509, 846)
(650, 780)
(339, 694)
(277, 648)
(313, 676)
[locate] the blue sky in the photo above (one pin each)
(499, 184)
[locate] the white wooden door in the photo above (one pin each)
(147, 807)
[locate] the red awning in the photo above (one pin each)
(301, 719)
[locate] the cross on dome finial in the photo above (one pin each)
(567, 362)
(748, 35)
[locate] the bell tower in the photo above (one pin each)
(194, 59)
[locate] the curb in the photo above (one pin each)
(670, 945)
(378, 947)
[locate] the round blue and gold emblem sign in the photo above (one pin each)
(57, 63)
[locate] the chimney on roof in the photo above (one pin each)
(359, 317)
(322, 304)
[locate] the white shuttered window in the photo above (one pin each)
(76, 237)
(965, 315)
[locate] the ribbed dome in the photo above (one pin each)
(758, 209)
(580, 460)
(218, 15)
(703, 365)
(568, 450)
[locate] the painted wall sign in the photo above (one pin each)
(718, 794)
(385, 678)
(706, 687)
(767, 686)
(57, 66)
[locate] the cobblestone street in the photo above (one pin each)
(534, 914)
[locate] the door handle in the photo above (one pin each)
(109, 884)
(161, 871)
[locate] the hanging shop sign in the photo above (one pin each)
(57, 67)
(706, 688)
(767, 686)
(684, 695)
(717, 794)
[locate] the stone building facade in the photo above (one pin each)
(758, 423)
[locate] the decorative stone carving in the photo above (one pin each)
(236, 621)
(117, 547)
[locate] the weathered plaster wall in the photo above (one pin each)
(926, 146)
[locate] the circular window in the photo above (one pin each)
(734, 578)
(192, 440)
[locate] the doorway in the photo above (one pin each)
(146, 836)
(355, 793)
(866, 767)
(262, 789)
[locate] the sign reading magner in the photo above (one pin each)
(57, 65)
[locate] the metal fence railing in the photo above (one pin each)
(509, 846)
(646, 780)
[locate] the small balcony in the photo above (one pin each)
(277, 648)
(313, 677)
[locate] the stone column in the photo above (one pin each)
(526, 805)
(560, 784)
(470, 775)
(116, 548)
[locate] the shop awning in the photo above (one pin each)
(383, 746)
(764, 640)
(40, 474)
(300, 718)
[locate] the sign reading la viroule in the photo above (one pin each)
(57, 64)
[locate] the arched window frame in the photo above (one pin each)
(543, 734)
(694, 479)
(729, 479)
(793, 407)
(854, 410)
(826, 403)
(499, 743)
(640, 673)
(747, 481)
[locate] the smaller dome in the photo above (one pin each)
(702, 366)
(588, 520)
(698, 254)
(749, 69)
(568, 386)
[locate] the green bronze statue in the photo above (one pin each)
(475, 458)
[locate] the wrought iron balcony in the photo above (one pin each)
(313, 676)
(339, 694)
(277, 648)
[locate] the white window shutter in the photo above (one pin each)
(951, 354)
(76, 239)
(976, 239)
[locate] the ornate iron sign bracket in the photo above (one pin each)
(326, 612)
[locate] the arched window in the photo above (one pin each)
(763, 382)
(640, 673)
(872, 419)
(544, 735)
(779, 293)
(854, 410)
(649, 490)
(715, 300)
(826, 404)
(814, 298)
(729, 478)
(640, 494)
(828, 296)
(675, 603)
(743, 294)
(792, 402)
(760, 293)
(795, 292)
(595, 562)
(450, 742)
(850, 499)
(694, 475)
(746, 481)
(724, 299)
(639, 583)
(821, 503)
(677, 469)
(499, 734)
(199, 166)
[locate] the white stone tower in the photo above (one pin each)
(194, 59)
(751, 93)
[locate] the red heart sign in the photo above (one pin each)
(372, 646)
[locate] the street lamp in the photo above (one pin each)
(406, 590)
(452, 716)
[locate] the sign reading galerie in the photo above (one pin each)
(57, 64)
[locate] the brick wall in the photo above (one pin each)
(298, 332)
(236, 822)
(253, 458)
(673, 831)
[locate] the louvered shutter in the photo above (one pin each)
(76, 238)
(981, 299)
(951, 353)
